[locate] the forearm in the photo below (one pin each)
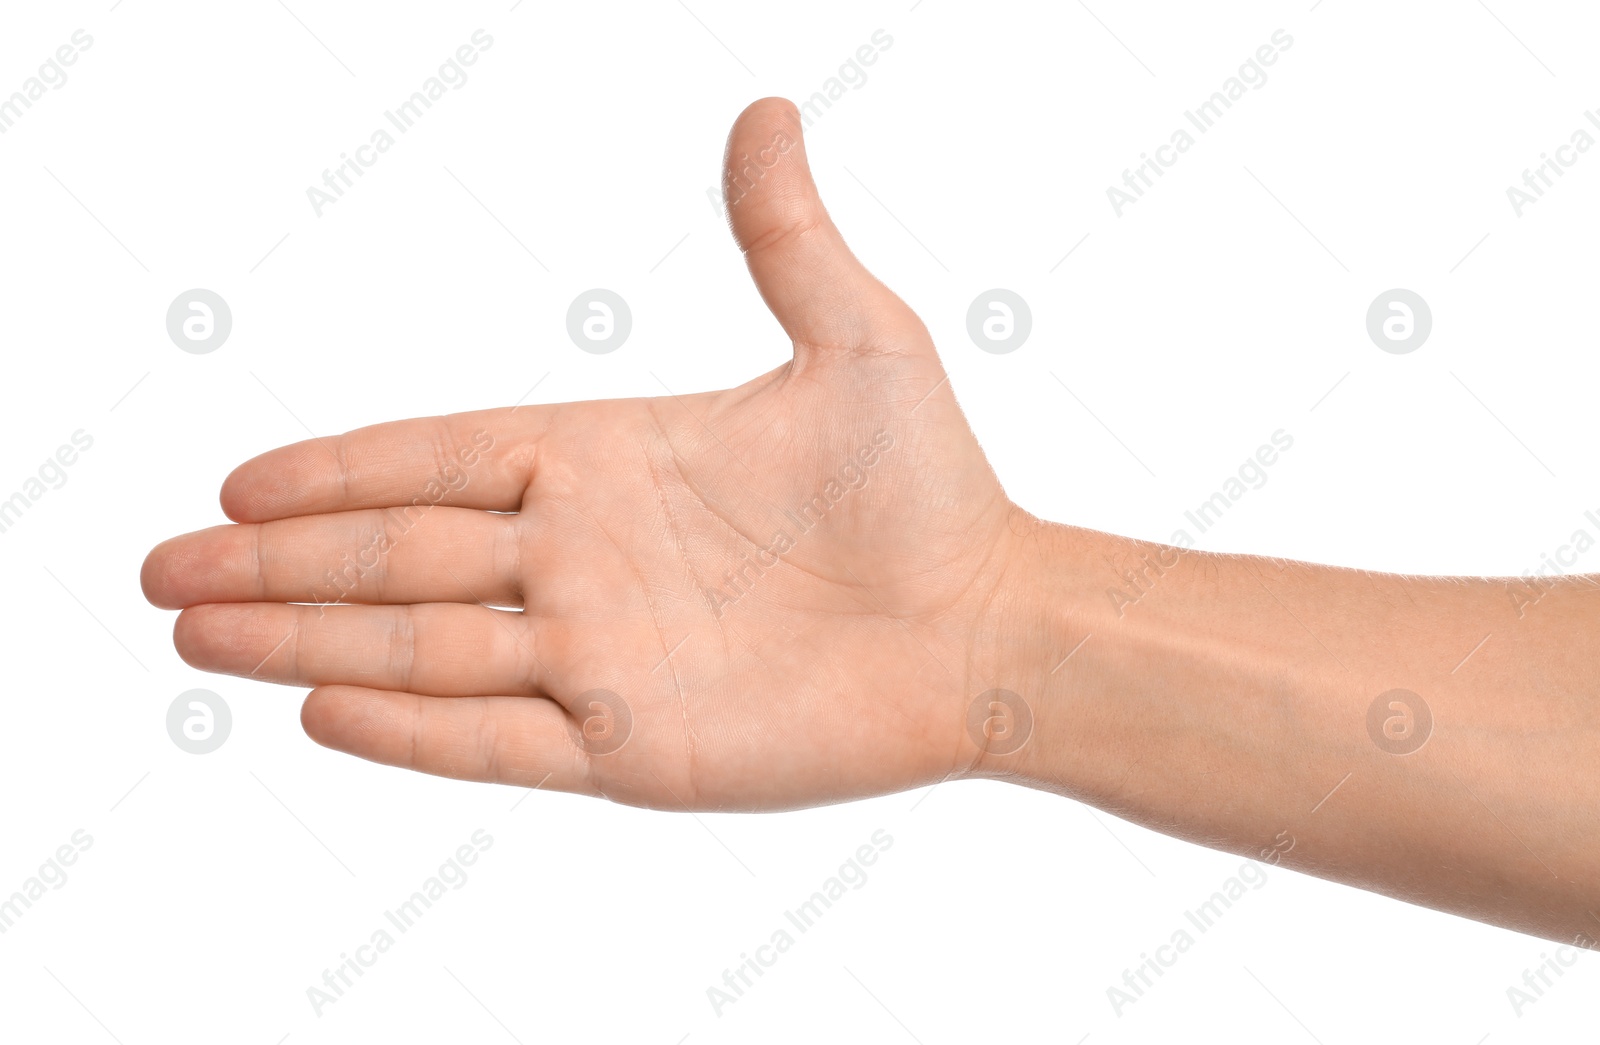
(1228, 700)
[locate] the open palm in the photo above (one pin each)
(781, 594)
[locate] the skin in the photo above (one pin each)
(806, 589)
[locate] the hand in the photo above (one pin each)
(795, 592)
(782, 594)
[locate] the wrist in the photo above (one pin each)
(1050, 620)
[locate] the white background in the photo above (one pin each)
(1226, 304)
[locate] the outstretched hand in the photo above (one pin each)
(782, 594)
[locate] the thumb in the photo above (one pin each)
(824, 298)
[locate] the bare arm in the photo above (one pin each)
(1434, 739)
(811, 588)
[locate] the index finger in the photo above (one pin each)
(483, 459)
